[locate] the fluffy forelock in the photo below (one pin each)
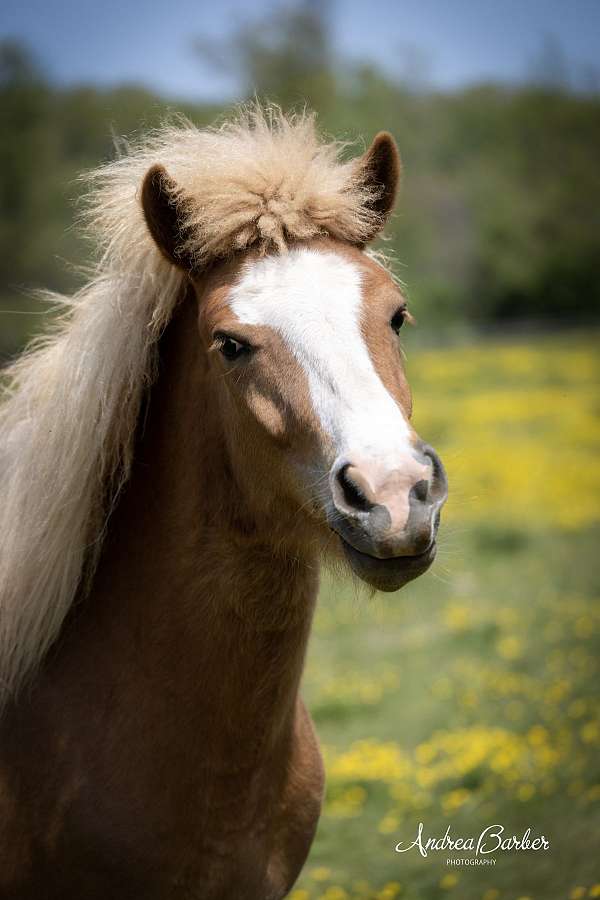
(261, 180)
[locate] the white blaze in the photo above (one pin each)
(313, 300)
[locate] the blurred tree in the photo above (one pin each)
(287, 56)
(24, 143)
(549, 67)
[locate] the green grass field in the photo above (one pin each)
(471, 697)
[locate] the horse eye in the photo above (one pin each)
(230, 348)
(397, 320)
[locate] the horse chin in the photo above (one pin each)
(388, 574)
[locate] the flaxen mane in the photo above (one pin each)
(69, 413)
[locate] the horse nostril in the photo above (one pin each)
(436, 462)
(438, 487)
(353, 495)
(420, 490)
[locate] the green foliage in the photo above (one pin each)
(498, 217)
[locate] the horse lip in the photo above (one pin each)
(388, 574)
(396, 561)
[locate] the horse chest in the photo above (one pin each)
(254, 847)
(253, 829)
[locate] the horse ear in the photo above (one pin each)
(381, 167)
(162, 211)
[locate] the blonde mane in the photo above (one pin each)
(71, 404)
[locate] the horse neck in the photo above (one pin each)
(189, 570)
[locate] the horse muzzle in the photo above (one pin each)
(387, 519)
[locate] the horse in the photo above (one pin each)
(222, 406)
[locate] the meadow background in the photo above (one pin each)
(471, 697)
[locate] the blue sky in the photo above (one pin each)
(150, 43)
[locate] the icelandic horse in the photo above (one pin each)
(222, 405)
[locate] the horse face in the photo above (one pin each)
(305, 348)
(305, 358)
